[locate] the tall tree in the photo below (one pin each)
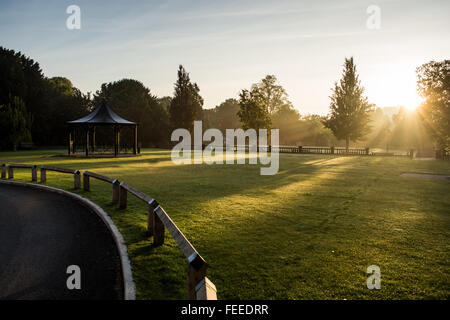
(186, 105)
(434, 86)
(349, 115)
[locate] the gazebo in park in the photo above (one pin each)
(102, 116)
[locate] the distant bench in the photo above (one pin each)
(115, 183)
(17, 165)
(76, 174)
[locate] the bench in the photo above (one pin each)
(76, 174)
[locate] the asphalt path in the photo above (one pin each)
(43, 233)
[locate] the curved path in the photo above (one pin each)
(41, 234)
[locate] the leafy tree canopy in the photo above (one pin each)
(434, 86)
(133, 101)
(264, 99)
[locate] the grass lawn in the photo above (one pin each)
(308, 232)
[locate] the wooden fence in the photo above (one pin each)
(304, 150)
(323, 150)
(443, 154)
(114, 182)
(76, 175)
(33, 168)
(199, 287)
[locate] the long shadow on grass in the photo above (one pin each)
(286, 253)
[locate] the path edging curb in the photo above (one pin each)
(129, 286)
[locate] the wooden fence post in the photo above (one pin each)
(10, 172)
(76, 179)
(3, 171)
(43, 175)
(122, 197)
(152, 204)
(205, 290)
(115, 191)
(86, 182)
(158, 229)
(196, 271)
(411, 153)
(34, 173)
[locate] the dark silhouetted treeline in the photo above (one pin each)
(35, 109)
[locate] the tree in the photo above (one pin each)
(252, 114)
(434, 86)
(186, 105)
(133, 101)
(264, 99)
(270, 95)
(287, 120)
(15, 123)
(63, 102)
(223, 116)
(381, 129)
(22, 77)
(349, 110)
(49, 102)
(164, 102)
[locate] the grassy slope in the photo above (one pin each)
(308, 232)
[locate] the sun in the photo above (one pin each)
(411, 102)
(397, 88)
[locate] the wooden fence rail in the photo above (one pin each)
(3, 170)
(27, 166)
(443, 154)
(157, 221)
(76, 174)
(299, 149)
(115, 184)
(152, 204)
(196, 265)
(199, 287)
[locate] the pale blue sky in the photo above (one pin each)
(228, 45)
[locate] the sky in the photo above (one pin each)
(228, 45)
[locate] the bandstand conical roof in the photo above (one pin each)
(103, 114)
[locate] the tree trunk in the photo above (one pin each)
(347, 143)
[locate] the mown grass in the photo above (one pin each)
(308, 232)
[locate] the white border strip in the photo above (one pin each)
(129, 287)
